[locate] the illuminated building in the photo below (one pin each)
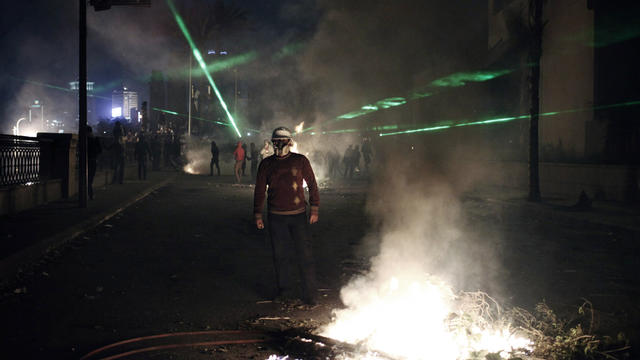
(91, 113)
(126, 100)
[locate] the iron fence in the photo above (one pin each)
(19, 160)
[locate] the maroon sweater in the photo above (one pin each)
(284, 177)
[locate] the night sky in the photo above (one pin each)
(392, 40)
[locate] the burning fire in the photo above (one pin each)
(299, 127)
(420, 319)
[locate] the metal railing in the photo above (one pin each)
(19, 160)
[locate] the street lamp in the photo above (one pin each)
(82, 84)
(18, 125)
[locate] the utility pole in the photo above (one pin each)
(190, 98)
(82, 84)
(82, 105)
(535, 54)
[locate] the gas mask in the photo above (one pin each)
(281, 146)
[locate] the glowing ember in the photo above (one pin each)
(420, 319)
(189, 169)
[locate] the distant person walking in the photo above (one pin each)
(367, 153)
(244, 161)
(346, 160)
(239, 156)
(140, 153)
(166, 150)
(333, 160)
(355, 160)
(156, 149)
(281, 176)
(118, 154)
(93, 150)
(215, 158)
(265, 151)
(254, 159)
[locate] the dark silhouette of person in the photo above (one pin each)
(215, 158)
(93, 150)
(283, 173)
(333, 162)
(346, 160)
(118, 154)
(166, 150)
(367, 152)
(155, 153)
(140, 153)
(355, 160)
(117, 130)
(254, 159)
(244, 161)
(239, 156)
(176, 153)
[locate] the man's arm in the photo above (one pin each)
(259, 194)
(314, 194)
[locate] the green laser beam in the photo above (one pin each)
(50, 86)
(203, 66)
(288, 50)
(451, 81)
(199, 118)
(447, 124)
(462, 78)
(439, 126)
(232, 61)
(213, 67)
(165, 111)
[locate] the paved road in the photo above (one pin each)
(188, 258)
(185, 258)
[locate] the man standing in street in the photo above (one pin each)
(284, 173)
(140, 153)
(254, 160)
(215, 158)
(118, 154)
(239, 156)
(93, 150)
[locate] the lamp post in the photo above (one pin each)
(98, 5)
(18, 125)
(190, 98)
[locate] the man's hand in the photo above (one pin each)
(259, 224)
(313, 218)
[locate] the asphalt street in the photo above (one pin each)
(188, 258)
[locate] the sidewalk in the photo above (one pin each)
(28, 235)
(607, 213)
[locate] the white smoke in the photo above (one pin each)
(406, 305)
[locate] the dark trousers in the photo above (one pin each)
(214, 162)
(91, 174)
(292, 253)
(142, 169)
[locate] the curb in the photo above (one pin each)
(12, 265)
(549, 212)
